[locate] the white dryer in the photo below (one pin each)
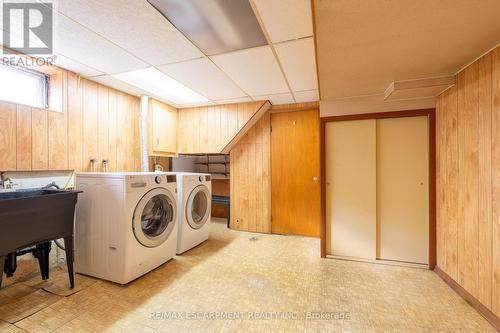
(125, 224)
(195, 208)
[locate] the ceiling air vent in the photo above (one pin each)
(410, 89)
(214, 26)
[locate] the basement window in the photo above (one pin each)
(23, 86)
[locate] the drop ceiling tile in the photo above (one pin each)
(75, 66)
(234, 100)
(161, 99)
(80, 44)
(299, 64)
(204, 77)
(135, 26)
(276, 99)
(112, 82)
(255, 70)
(306, 96)
(286, 20)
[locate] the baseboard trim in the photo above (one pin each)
(492, 318)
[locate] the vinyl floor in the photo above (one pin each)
(244, 282)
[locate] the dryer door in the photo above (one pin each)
(154, 217)
(198, 207)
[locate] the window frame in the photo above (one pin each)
(42, 77)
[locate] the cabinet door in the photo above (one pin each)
(164, 127)
(7, 136)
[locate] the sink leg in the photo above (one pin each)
(68, 245)
(46, 252)
(40, 257)
(2, 262)
(43, 254)
(10, 264)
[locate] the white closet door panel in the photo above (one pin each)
(402, 189)
(351, 188)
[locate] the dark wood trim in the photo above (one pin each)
(430, 113)
(322, 166)
(493, 319)
(379, 115)
(432, 189)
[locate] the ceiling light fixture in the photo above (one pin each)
(214, 26)
(159, 84)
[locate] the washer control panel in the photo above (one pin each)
(204, 178)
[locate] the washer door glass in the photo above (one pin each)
(154, 217)
(198, 207)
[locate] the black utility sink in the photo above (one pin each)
(20, 194)
(30, 220)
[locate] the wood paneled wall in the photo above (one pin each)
(251, 179)
(468, 180)
(306, 106)
(96, 122)
(250, 173)
(207, 130)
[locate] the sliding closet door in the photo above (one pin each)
(351, 188)
(402, 189)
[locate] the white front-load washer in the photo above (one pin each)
(125, 224)
(195, 208)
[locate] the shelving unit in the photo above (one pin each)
(208, 163)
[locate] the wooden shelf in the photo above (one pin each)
(211, 163)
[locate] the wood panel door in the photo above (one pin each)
(295, 199)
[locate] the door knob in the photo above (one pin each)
(315, 179)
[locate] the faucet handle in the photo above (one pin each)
(8, 184)
(105, 163)
(93, 161)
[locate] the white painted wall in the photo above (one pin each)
(184, 164)
(372, 104)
